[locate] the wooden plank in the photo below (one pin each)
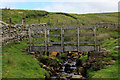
(65, 35)
(64, 43)
(55, 28)
(66, 48)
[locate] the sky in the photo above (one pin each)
(67, 6)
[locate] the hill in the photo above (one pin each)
(57, 19)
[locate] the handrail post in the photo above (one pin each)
(78, 39)
(95, 36)
(30, 39)
(48, 32)
(45, 40)
(62, 39)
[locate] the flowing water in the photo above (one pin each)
(66, 71)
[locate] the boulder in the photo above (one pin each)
(44, 66)
(70, 61)
(24, 50)
(75, 57)
(76, 76)
(117, 47)
(103, 49)
(32, 53)
(54, 53)
(109, 52)
(80, 70)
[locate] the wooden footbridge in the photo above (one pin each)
(43, 33)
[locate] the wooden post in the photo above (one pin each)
(95, 36)
(22, 21)
(48, 35)
(39, 21)
(30, 39)
(78, 39)
(10, 22)
(45, 40)
(62, 39)
(33, 40)
(57, 20)
(25, 21)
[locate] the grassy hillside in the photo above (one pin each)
(57, 19)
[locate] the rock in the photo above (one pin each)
(70, 61)
(113, 61)
(37, 55)
(24, 50)
(75, 57)
(44, 66)
(69, 57)
(80, 70)
(72, 55)
(67, 65)
(32, 53)
(57, 73)
(76, 76)
(117, 47)
(54, 53)
(103, 49)
(63, 74)
(4, 54)
(62, 77)
(84, 64)
(70, 52)
(80, 55)
(109, 52)
(57, 69)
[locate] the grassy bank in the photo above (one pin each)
(18, 64)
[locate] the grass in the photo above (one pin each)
(109, 72)
(17, 64)
(57, 19)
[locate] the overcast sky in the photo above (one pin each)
(68, 6)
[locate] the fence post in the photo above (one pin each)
(62, 39)
(39, 21)
(30, 39)
(45, 41)
(95, 36)
(25, 21)
(78, 39)
(48, 35)
(22, 21)
(33, 40)
(10, 21)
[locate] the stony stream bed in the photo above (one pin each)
(68, 71)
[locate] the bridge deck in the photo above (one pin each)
(66, 48)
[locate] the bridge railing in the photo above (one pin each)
(62, 45)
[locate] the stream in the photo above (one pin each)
(68, 71)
